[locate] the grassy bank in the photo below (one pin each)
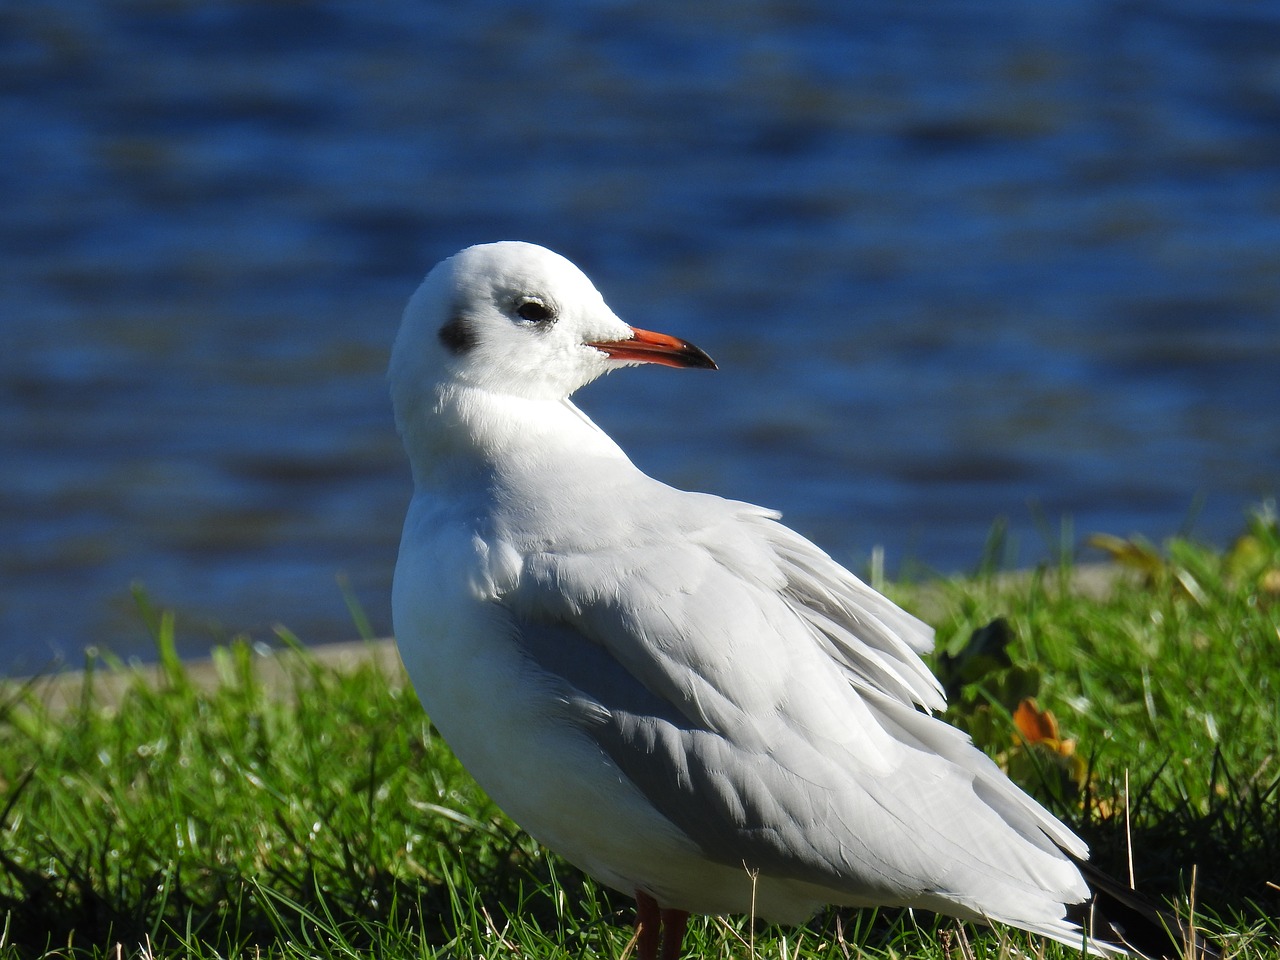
(290, 807)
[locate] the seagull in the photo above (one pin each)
(675, 692)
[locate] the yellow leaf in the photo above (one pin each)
(1131, 553)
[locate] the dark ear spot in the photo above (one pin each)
(457, 335)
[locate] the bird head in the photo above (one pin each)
(515, 318)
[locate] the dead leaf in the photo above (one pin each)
(1034, 724)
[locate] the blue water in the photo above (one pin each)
(958, 261)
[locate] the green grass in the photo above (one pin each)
(322, 817)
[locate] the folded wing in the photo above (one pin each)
(769, 704)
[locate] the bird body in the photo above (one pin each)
(674, 691)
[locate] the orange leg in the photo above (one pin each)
(657, 927)
(648, 927)
(674, 923)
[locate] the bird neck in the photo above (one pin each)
(465, 436)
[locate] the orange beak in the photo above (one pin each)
(645, 346)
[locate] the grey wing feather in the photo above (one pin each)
(875, 641)
(701, 676)
(950, 833)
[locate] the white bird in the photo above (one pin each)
(673, 691)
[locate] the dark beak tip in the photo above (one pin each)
(694, 358)
(697, 358)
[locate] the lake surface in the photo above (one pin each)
(958, 262)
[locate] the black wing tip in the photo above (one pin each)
(1121, 917)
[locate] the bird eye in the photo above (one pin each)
(534, 311)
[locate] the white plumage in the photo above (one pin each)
(674, 691)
